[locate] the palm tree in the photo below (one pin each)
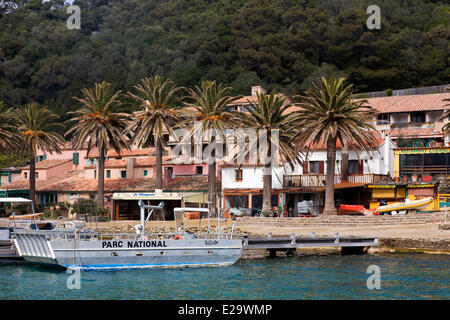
(446, 114)
(268, 113)
(96, 124)
(9, 136)
(327, 114)
(210, 109)
(38, 129)
(159, 113)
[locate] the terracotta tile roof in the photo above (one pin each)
(424, 102)
(75, 181)
(417, 132)
(322, 146)
(125, 153)
(47, 164)
(43, 184)
(244, 100)
(190, 184)
(122, 163)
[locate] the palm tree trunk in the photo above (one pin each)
(212, 188)
(329, 208)
(101, 179)
(32, 178)
(158, 164)
(267, 188)
(344, 161)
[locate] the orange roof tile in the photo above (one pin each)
(416, 132)
(424, 102)
(322, 146)
(125, 153)
(47, 164)
(122, 163)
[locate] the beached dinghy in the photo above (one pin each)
(124, 251)
(407, 205)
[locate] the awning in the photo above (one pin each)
(347, 185)
(186, 196)
(14, 200)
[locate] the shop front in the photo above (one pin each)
(126, 204)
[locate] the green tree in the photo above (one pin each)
(96, 124)
(269, 113)
(9, 136)
(38, 129)
(209, 106)
(159, 104)
(328, 114)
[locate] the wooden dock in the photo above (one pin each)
(348, 244)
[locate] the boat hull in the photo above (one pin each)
(127, 254)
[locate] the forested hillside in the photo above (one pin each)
(280, 44)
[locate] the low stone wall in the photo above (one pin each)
(417, 218)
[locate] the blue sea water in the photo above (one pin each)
(403, 276)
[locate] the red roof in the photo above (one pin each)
(424, 102)
(416, 132)
(125, 153)
(122, 163)
(75, 181)
(47, 164)
(322, 146)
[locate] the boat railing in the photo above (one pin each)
(59, 234)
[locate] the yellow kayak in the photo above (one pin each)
(408, 205)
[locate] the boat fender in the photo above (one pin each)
(177, 237)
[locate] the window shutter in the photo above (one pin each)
(321, 167)
(360, 166)
(305, 167)
(76, 158)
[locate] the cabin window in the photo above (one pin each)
(25, 174)
(145, 173)
(199, 170)
(123, 173)
(37, 175)
(95, 174)
(108, 173)
(238, 175)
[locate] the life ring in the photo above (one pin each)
(177, 237)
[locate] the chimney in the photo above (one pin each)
(131, 162)
(257, 89)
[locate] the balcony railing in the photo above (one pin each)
(318, 180)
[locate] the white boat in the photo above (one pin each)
(86, 250)
(407, 205)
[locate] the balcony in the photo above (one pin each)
(318, 180)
